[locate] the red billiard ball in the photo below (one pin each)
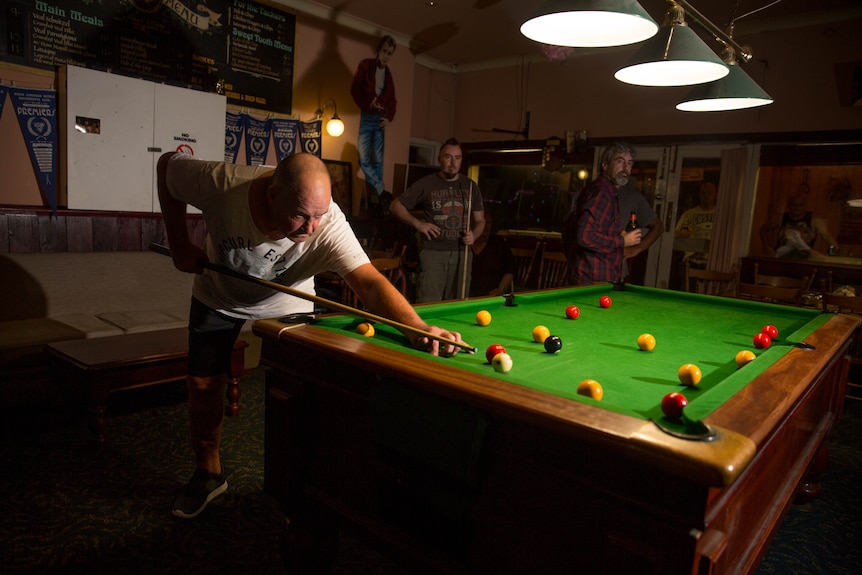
(605, 301)
(770, 330)
(572, 312)
(672, 404)
(493, 350)
(762, 341)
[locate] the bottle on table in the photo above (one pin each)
(633, 222)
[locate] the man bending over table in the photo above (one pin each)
(280, 226)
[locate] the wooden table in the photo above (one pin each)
(459, 469)
(104, 365)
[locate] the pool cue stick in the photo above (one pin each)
(164, 250)
(466, 247)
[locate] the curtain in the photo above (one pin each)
(728, 244)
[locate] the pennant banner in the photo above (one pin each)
(37, 115)
(310, 137)
(2, 98)
(234, 127)
(256, 140)
(284, 134)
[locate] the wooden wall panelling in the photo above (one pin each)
(52, 233)
(79, 234)
(4, 233)
(105, 232)
(24, 233)
(152, 232)
(38, 230)
(129, 234)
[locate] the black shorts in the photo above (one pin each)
(211, 339)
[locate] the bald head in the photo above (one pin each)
(294, 169)
(299, 195)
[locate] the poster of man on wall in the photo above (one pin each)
(373, 90)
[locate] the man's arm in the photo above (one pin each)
(819, 224)
(381, 298)
(402, 214)
(477, 225)
(655, 230)
(186, 256)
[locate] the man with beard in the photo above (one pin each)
(594, 243)
(453, 217)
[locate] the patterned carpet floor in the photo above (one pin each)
(68, 508)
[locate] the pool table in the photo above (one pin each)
(455, 468)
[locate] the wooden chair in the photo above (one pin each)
(783, 281)
(769, 293)
(713, 282)
(850, 305)
(524, 258)
(553, 270)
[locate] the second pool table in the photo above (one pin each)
(462, 469)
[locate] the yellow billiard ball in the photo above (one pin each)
(365, 329)
(591, 388)
(540, 333)
(689, 374)
(744, 356)
(646, 342)
(483, 317)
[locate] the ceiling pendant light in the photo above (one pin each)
(590, 23)
(736, 91)
(676, 56)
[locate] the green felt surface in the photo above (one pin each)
(601, 344)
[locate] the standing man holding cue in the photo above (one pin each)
(279, 226)
(453, 217)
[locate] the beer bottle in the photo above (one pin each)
(633, 222)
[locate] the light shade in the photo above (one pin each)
(590, 23)
(736, 91)
(335, 127)
(676, 56)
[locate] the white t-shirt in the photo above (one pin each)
(220, 191)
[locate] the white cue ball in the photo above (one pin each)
(502, 362)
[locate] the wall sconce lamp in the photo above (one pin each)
(676, 56)
(334, 127)
(590, 23)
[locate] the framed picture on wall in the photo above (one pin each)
(342, 183)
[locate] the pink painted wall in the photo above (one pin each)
(797, 67)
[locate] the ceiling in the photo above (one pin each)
(462, 35)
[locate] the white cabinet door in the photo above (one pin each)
(116, 127)
(187, 121)
(108, 127)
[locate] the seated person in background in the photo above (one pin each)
(798, 231)
(493, 264)
(697, 223)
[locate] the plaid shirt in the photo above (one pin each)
(597, 246)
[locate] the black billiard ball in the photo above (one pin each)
(553, 344)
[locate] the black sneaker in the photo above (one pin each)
(203, 488)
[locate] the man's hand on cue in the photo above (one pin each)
(437, 347)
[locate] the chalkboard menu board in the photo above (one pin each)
(241, 48)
